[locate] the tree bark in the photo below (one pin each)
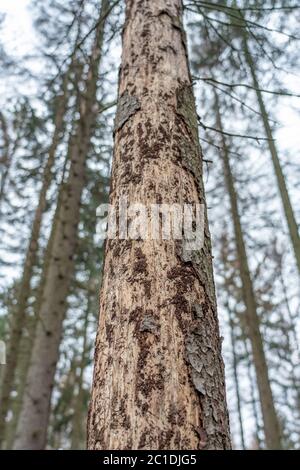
(271, 424)
(158, 376)
(34, 417)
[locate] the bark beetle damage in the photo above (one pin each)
(149, 324)
(188, 147)
(176, 24)
(140, 264)
(128, 105)
(203, 353)
(150, 377)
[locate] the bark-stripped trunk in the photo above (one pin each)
(158, 378)
(282, 188)
(271, 424)
(19, 315)
(32, 426)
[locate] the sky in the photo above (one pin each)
(19, 37)
(18, 34)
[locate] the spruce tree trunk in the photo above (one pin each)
(26, 343)
(5, 157)
(227, 285)
(19, 314)
(158, 375)
(78, 428)
(271, 424)
(15, 404)
(252, 395)
(34, 417)
(236, 377)
(282, 188)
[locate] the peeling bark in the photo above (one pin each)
(158, 376)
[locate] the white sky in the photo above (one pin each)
(17, 34)
(19, 38)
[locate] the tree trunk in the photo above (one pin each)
(26, 343)
(158, 377)
(77, 432)
(15, 404)
(5, 157)
(19, 315)
(271, 424)
(252, 395)
(228, 283)
(283, 191)
(236, 377)
(34, 417)
(18, 353)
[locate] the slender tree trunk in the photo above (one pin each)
(158, 377)
(19, 318)
(19, 315)
(226, 286)
(271, 424)
(26, 343)
(252, 397)
(77, 433)
(5, 158)
(236, 376)
(34, 417)
(78, 421)
(283, 191)
(60, 413)
(20, 380)
(292, 345)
